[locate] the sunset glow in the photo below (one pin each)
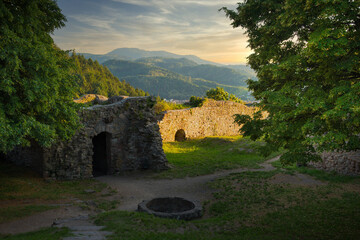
(193, 27)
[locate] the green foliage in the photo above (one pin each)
(307, 59)
(196, 101)
(36, 88)
(97, 79)
(219, 94)
(162, 105)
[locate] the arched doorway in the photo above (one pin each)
(102, 153)
(180, 135)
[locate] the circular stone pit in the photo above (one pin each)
(171, 207)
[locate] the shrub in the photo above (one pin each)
(196, 101)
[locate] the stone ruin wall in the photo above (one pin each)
(347, 163)
(214, 118)
(133, 142)
(133, 134)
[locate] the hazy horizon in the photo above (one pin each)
(184, 27)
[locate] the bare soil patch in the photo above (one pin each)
(296, 179)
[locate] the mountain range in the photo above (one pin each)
(174, 76)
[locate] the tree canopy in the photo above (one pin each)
(219, 94)
(36, 87)
(307, 59)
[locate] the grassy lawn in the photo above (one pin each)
(318, 174)
(44, 234)
(250, 206)
(23, 192)
(9, 213)
(18, 183)
(247, 205)
(208, 155)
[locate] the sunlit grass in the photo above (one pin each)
(208, 155)
(162, 106)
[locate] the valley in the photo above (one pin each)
(173, 76)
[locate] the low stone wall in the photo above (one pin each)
(214, 118)
(347, 163)
(116, 137)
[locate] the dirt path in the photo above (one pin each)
(135, 188)
(40, 220)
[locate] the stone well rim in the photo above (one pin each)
(195, 212)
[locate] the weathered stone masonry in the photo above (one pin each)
(214, 118)
(125, 135)
(347, 163)
(116, 137)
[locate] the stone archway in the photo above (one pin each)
(101, 154)
(180, 135)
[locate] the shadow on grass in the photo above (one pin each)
(44, 234)
(318, 174)
(23, 192)
(248, 206)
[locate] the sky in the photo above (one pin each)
(183, 27)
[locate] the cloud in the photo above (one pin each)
(181, 26)
(178, 2)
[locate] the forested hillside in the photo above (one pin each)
(175, 76)
(221, 75)
(159, 81)
(95, 78)
(243, 69)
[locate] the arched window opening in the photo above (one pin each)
(180, 135)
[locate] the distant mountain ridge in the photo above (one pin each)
(132, 54)
(174, 76)
(209, 72)
(162, 82)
